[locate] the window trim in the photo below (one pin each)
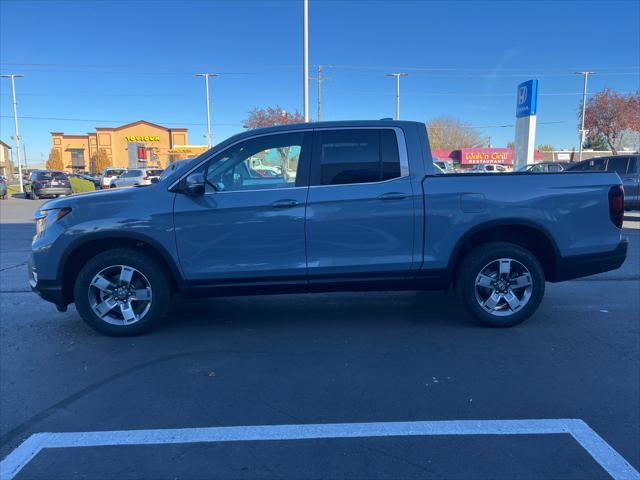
(402, 155)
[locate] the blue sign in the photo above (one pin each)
(527, 99)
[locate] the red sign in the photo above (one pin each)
(475, 156)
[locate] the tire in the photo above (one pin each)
(482, 280)
(145, 276)
(113, 185)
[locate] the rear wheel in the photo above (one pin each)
(122, 292)
(501, 284)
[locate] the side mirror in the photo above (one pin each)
(155, 180)
(194, 184)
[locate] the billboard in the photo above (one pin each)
(478, 156)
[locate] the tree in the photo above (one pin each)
(101, 161)
(266, 117)
(449, 133)
(611, 114)
(511, 145)
(545, 147)
(595, 142)
(55, 160)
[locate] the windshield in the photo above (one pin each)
(52, 176)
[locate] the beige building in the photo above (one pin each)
(155, 145)
(6, 167)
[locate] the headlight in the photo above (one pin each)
(45, 218)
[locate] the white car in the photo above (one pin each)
(109, 174)
(488, 168)
(137, 176)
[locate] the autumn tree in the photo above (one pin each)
(101, 161)
(545, 147)
(449, 133)
(55, 160)
(611, 115)
(267, 117)
(595, 142)
(511, 145)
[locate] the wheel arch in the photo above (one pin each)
(530, 235)
(80, 252)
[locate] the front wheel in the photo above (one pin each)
(500, 284)
(122, 292)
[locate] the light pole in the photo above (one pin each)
(206, 86)
(305, 58)
(584, 106)
(397, 75)
(320, 79)
(15, 121)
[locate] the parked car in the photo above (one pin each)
(626, 166)
(488, 168)
(47, 183)
(544, 167)
(83, 176)
(446, 167)
(109, 174)
(137, 176)
(366, 211)
(3, 188)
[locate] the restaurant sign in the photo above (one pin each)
(143, 138)
(476, 156)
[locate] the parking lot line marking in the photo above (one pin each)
(609, 459)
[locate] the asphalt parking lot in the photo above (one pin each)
(339, 358)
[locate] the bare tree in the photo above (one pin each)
(55, 160)
(450, 133)
(610, 115)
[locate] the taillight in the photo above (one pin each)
(147, 178)
(616, 205)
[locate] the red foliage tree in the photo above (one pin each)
(267, 117)
(609, 114)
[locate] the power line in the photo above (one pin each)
(120, 121)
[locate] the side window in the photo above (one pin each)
(593, 165)
(489, 168)
(633, 165)
(618, 165)
(265, 162)
(357, 156)
(554, 168)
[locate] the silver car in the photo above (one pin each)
(137, 176)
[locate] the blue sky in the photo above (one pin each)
(110, 62)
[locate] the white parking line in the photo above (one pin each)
(600, 450)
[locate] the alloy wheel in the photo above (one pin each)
(503, 287)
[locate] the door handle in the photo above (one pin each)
(285, 204)
(393, 196)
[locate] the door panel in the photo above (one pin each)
(249, 225)
(360, 225)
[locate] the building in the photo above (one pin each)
(6, 166)
(139, 143)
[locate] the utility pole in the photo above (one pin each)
(305, 58)
(584, 106)
(15, 121)
(206, 86)
(397, 75)
(320, 79)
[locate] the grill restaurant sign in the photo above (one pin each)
(479, 156)
(143, 138)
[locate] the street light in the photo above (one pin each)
(584, 105)
(15, 121)
(206, 86)
(305, 59)
(397, 75)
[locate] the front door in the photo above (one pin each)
(360, 210)
(248, 227)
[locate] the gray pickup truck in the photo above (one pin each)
(343, 206)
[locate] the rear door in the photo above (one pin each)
(627, 168)
(359, 219)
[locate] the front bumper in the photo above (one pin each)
(568, 268)
(51, 291)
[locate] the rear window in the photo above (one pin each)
(115, 172)
(618, 165)
(154, 173)
(51, 176)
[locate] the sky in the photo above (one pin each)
(105, 63)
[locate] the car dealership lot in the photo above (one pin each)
(323, 359)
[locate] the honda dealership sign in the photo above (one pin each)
(526, 109)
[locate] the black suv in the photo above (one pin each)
(47, 183)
